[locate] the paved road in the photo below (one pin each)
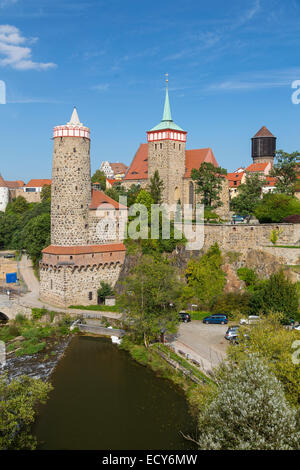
(28, 276)
(205, 343)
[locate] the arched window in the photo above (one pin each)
(191, 193)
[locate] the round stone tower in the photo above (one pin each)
(71, 184)
(166, 153)
(263, 146)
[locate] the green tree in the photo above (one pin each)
(151, 299)
(276, 294)
(249, 411)
(104, 291)
(99, 177)
(273, 343)
(286, 170)
(206, 277)
(36, 236)
(249, 194)
(46, 193)
(156, 188)
(18, 401)
(275, 207)
(209, 182)
(17, 206)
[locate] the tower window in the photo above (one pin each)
(81, 206)
(57, 207)
(71, 257)
(86, 226)
(179, 146)
(90, 295)
(155, 146)
(74, 149)
(51, 284)
(174, 145)
(76, 188)
(160, 145)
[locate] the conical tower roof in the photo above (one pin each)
(167, 121)
(263, 132)
(74, 121)
(2, 182)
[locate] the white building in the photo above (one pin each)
(4, 194)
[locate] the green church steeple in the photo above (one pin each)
(167, 121)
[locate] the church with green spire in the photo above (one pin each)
(165, 151)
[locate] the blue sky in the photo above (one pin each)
(230, 65)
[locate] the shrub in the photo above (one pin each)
(275, 207)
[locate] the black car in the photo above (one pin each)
(185, 317)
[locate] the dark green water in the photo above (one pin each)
(102, 399)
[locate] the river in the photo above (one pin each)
(103, 399)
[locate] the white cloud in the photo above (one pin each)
(15, 53)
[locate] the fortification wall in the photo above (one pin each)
(66, 283)
(243, 237)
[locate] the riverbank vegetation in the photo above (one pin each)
(25, 336)
(19, 400)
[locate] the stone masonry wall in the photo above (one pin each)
(75, 281)
(71, 191)
(168, 157)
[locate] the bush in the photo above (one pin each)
(232, 302)
(275, 207)
(38, 313)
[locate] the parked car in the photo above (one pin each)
(231, 332)
(185, 317)
(235, 339)
(216, 318)
(248, 321)
(297, 328)
(239, 219)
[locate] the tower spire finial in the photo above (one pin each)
(167, 110)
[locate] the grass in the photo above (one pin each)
(183, 362)
(97, 308)
(34, 334)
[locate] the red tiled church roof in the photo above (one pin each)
(83, 250)
(99, 198)
(195, 158)
(138, 169)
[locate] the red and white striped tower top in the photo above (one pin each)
(73, 128)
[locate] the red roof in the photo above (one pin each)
(37, 183)
(83, 250)
(270, 181)
(254, 167)
(139, 166)
(118, 168)
(110, 181)
(263, 132)
(99, 198)
(14, 184)
(236, 176)
(193, 159)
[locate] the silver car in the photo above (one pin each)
(231, 332)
